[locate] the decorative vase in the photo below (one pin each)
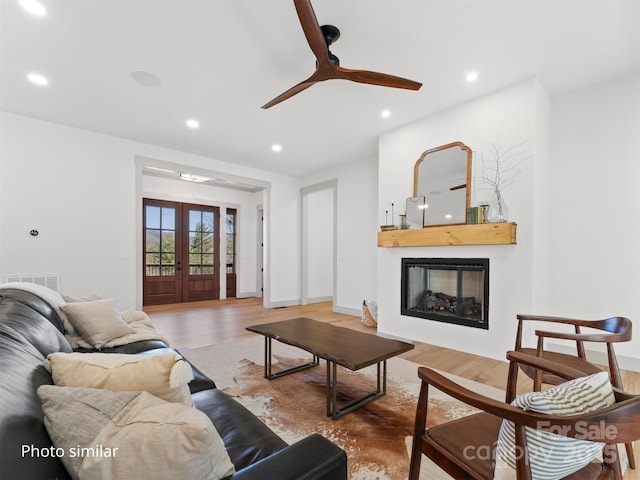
(498, 211)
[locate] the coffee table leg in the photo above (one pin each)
(336, 412)
(268, 373)
(330, 389)
(267, 357)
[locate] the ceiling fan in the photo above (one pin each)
(327, 64)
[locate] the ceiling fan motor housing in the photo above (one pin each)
(331, 34)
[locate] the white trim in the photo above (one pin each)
(283, 303)
(247, 295)
(222, 238)
(260, 252)
(347, 311)
(319, 299)
(252, 184)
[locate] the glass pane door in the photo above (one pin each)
(162, 281)
(202, 277)
(177, 235)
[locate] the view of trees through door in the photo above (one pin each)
(181, 252)
(231, 251)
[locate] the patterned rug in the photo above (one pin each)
(377, 437)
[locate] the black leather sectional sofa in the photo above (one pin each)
(30, 330)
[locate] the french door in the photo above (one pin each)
(181, 252)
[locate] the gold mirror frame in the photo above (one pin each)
(456, 178)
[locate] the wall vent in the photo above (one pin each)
(49, 280)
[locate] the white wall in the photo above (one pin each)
(317, 238)
(511, 115)
(576, 208)
(594, 218)
(78, 188)
(357, 224)
(576, 201)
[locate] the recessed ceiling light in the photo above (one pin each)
(448, 216)
(385, 114)
(34, 7)
(276, 148)
(191, 123)
(472, 77)
(37, 79)
(146, 79)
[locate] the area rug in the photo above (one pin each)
(376, 438)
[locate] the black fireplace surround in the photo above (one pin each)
(451, 290)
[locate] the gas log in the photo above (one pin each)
(443, 303)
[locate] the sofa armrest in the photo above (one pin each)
(312, 458)
(141, 346)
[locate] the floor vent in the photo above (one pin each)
(49, 280)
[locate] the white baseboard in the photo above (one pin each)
(248, 295)
(319, 299)
(283, 303)
(347, 311)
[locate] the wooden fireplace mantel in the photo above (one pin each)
(445, 235)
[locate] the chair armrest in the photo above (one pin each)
(561, 371)
(482, 402)
(312, 458)
(498, 408)
(546, 318)
(584, 426)
(578, 337)
(618, 329)
(543, 318)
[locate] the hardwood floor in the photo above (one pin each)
(222, 321)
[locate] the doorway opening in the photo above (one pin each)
(181, 252)
(318, 242)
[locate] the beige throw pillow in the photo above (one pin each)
(120, 435)
(97, 322)
(166, 375)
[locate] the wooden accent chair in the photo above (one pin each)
(611, 330)
(455, 445)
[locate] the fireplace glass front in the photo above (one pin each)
(451, 290)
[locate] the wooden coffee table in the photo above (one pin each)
(338, 346)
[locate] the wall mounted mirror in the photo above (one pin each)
(443, 176)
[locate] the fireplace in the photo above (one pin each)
(451, 290)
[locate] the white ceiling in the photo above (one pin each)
(219, 61)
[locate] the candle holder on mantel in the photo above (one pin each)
(387, 226)
(403, 222)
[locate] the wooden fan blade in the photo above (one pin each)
(312, 31)
(291, 92)
(325, 68)
(375, 78)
